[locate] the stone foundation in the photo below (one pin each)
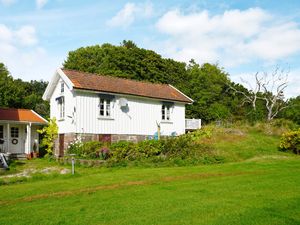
(109, 138)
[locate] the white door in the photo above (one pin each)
(16, 139)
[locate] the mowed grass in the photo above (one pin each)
(261, 191)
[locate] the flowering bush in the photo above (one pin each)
(81, 149)
(290, 141)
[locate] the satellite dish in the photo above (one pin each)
(123, 102)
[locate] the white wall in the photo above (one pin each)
(66, 125)
(140, 119)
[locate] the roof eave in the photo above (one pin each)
(128, 94)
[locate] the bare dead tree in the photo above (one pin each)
(269, 88)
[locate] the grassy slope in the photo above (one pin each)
(259, 189)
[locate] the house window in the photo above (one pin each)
(104, 107)
(14, 132)
(1, 132)
(62, 87)
(165, 112)
(61, 107)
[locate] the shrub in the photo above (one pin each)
(290, 141)
(89, 149)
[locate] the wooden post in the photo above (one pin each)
(7, 137)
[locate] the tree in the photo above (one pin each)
(50, 133)
(292, 112)
(15, 93)
(268, 88)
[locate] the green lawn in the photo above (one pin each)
(261, 191)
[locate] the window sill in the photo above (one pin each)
(105, 118)
(167, 121)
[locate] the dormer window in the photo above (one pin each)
(62, 87)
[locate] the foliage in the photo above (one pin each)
(292, 112)
(290, 141)
(50, 133)
(15, 93)
(90, 149)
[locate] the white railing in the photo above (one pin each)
(192, 124)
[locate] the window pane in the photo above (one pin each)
(62, 87)
(168, 113)
(14, 132)
(101, 107)
(163, 115)
(107, 107)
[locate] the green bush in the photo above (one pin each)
(89, 149)
(290, 141)
(172, 149)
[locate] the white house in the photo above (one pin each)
(18, 131)
(110, 109)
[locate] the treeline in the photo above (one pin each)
(207, 84)
(15, 93)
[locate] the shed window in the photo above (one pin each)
(165, 112)
(104, 107)
(14, 132)
(61, 107)
(1, 131)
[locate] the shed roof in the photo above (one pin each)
(95, 82)
(21, 115)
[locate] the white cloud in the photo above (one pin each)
(26, 35)
(24, 58)
(41, 3)
(129, 13)
(233, 37)
(8, 2)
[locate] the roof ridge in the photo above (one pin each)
(114, 77)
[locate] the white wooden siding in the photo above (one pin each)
(140, 119)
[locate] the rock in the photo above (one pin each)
(65, 171)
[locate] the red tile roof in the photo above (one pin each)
(95, 82)
(21, 115)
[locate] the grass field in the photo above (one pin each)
(261, 191)
(257, 184)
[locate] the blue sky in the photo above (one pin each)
(242, 36)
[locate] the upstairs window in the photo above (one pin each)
(62, 87)
(105, 107)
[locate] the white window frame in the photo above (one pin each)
(14, 132)
(165, 112)
(1, 131)
(105, 108)
(61, 108)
